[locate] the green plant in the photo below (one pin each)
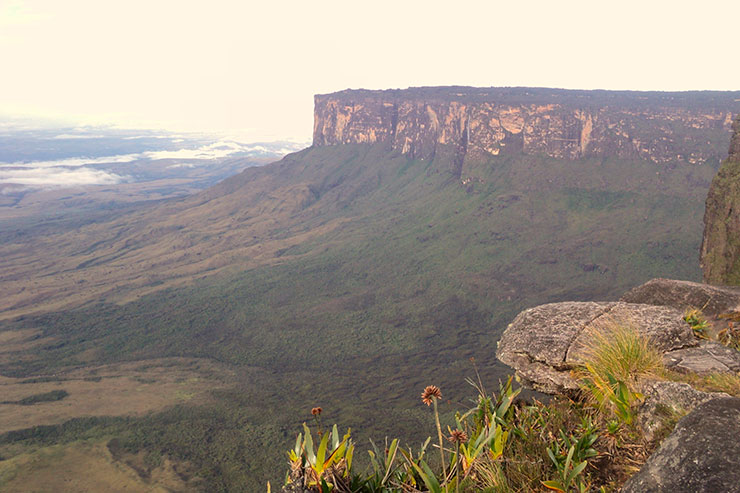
(616, 359)
(325, 468)
(567, 473)
(384, 468)
(695, 318)
(613, 426)
(410, 477)
(430, 479)
(570, 457)
(485, 430)
(491, 440)
(54, 395)
(609, 392)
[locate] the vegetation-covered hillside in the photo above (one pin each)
(389, 276)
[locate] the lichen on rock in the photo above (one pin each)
(702, 453)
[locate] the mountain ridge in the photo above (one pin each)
(468, 124)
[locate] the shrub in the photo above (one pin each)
(54, 395)
(695, 319)
(327, 468)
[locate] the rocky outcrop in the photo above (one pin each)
(712, 300)
(543, 344)
(664, 400)
(701, 454)
(463, 124)
(720, 250)
(706, 358)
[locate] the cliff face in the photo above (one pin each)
(720, 251)
(467, 123)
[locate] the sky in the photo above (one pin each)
(250, 69)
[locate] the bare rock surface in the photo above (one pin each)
(664, 326)
(664, 399)
(545, 342)
(472, 122)
(712, 300)
(702, 453)
(704, 359)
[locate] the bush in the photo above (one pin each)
(54, 395)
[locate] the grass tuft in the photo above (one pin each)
(622, 352)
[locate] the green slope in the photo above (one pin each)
(422, 274)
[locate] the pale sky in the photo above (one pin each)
(251, 68)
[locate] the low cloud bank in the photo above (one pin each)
(78, 171)
(58, 177)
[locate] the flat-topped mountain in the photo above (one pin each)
(465, 124)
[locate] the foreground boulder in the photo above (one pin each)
(545, 342)
(702, 454)
(682, 295)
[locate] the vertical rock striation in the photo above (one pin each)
(720, 250)
(463, 124)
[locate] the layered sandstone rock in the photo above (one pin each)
(464, 124)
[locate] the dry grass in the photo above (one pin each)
(622, 352)
(170, 244)
(84, 466)
(716, 382)
(109, 390)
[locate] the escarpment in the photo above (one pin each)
(468, 124)
(720, 251)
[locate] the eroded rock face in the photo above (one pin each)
(720, 250)
(545, 342)
(702, 453)
(712, 300)
(463, 123)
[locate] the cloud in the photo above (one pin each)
(13, 189)
(181, 165)
(58, 177)
(78, 171)
(74, 162)
(78, 136)
(216, 150)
